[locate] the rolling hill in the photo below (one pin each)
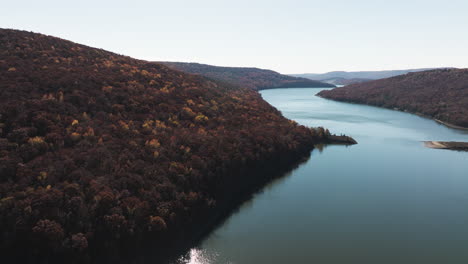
(102, 155)
(439, 94)
(253, 78)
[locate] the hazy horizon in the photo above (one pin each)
(318, 73)
(290, 37)
(383, 70)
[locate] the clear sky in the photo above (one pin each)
(291, 36)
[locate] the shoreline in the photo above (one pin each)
(434, 145)
(449, 125)
(340, 140)
(450, 145)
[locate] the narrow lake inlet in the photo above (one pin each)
(388, 199)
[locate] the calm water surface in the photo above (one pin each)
(386, 200)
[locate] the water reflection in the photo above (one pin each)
(198, 256)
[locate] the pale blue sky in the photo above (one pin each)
(287, 36)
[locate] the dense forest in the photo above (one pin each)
(252, 78)
(101, 153)
(440, 94)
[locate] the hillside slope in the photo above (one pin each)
(101, 153)
(252, 78)
(439, 94)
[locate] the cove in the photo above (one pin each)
(386, 200)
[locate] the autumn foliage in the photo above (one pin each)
(100, 152)
(440, 94)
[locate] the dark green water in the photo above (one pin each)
(386, 200)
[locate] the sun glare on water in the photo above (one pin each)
(199, 256)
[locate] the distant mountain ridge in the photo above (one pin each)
(253, 78)
(344, 81)
(440, 94)
(346, 78)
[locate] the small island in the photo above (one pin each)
(452, 145)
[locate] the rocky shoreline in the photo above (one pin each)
(345, 140)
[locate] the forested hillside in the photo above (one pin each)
(101, 153)
(252, 78)
(439, 94)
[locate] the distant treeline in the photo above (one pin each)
(253, 78)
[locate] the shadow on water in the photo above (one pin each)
(277, 176)
(322, 147)
(268, 176)
(257, 178)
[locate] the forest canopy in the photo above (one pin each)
(100, 152)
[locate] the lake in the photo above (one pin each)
(386, 200)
